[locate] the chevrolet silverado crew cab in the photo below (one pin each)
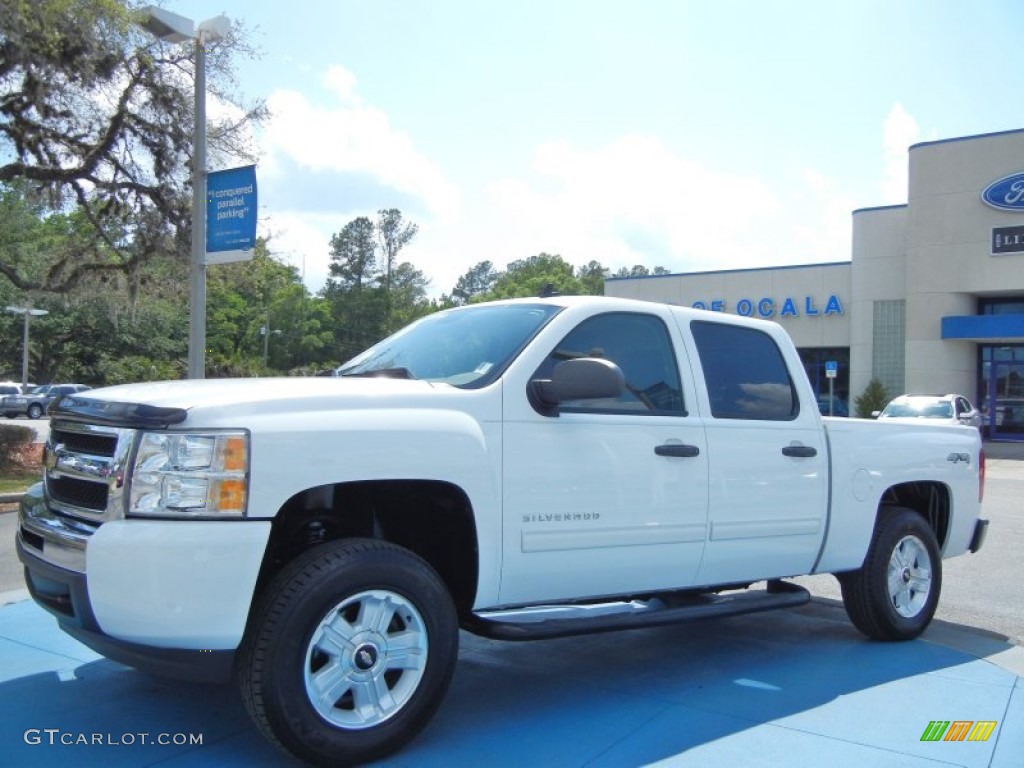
(520, 469)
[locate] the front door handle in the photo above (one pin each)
(677, 449)
(800, 451)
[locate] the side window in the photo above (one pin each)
(640, 345)
(745, 373)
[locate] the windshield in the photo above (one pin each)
(463, 347)
(927, 409)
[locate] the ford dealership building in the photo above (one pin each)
(931, 301)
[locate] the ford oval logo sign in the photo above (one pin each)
(1006, 194)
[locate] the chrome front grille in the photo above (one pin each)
(78, 493)
(88, 443)
(85, 470)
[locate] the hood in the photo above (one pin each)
(231, 398)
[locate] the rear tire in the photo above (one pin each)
(894, 594)
(349, 653)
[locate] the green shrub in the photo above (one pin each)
(14, 442)
(873, 398)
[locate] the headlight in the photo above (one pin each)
(190, 475)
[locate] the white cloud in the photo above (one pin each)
(823, 225)
(244, 142)
(355, 140)
(302, 239)
(342, 83)
(899, 131)
(636, 201)
(349, 136)
(632, 201)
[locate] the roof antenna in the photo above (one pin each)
(548, 291)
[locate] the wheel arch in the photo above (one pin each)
(432, 518)
(931, 499)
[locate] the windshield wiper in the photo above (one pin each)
(383, 373)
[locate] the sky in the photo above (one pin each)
(689, 134)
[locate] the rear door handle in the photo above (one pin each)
(800, 451)
(677, 449)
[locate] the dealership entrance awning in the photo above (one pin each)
(1005, 329)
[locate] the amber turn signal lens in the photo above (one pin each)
(231, 496)
(235, 458)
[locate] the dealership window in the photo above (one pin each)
(1001, 390)
(814, 359)
(1000, 395)
(1001, 307)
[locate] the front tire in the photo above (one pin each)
(349, 653)
(35, 411)
(895, 593)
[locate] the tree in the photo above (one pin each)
(873, 398)
(100, 319)
(528, 277)
(22, 232)
(393, 235)
(353, 254)
(370, 293)
(96, 115)
(249, 299)
(476, 282)
(592, 277)
(408, 296)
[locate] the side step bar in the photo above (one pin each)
(564, 620)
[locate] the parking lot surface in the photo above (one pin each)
(789, 688)
(799, 687)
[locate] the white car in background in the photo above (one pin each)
(940, 409)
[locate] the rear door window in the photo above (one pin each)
(745, 373)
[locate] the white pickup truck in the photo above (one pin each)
(521, 469)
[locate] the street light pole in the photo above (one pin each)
(28, 312)
(265, 333)
(197, 279)
(173, 28)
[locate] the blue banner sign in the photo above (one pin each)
(230, 215)
(1007, 193)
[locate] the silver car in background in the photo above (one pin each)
(35, 402)
(942, 409)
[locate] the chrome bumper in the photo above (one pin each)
(54, 538)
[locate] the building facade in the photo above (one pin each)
(931, 301)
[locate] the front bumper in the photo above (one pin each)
(64, 593)
(169, 596)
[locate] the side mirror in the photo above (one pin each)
(584, 378)
(875, 414)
